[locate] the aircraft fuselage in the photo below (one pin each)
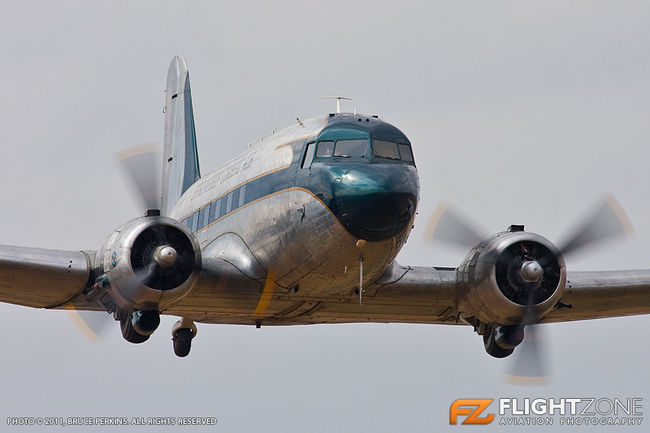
(305, 215)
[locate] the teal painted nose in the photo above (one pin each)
(373, 201)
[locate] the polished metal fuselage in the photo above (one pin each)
(288, 241)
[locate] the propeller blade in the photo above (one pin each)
(530, 365)
(141, 164)
(607, 221)
(141, 275)
(267, 294)
(93, 324)
(448, 225)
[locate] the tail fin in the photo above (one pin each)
(180, 157)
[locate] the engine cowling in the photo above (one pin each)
(149, 263)
(508, 275)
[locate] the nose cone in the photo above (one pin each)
(373, 201)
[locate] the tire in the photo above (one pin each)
(130, 334)
(492, 348)
(182, 342)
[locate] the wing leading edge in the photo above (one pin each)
(601, 294)
(429, 295)
(433, 296)
(43, 278)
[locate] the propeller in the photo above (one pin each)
(140, 277)
(530, 365)
(449, 225)
(606, 221)
(142, 166)
(92, 324)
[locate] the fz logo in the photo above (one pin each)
(471, 408)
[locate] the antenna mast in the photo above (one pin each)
(338, 101)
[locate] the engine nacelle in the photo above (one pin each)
(149, 263)
(507, 272)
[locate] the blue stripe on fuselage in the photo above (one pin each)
(373, 198)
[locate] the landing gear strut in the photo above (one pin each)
(182, 334)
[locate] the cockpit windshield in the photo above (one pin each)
(360, 148)
(343, 148)
(351, 148)
(385, 149)
(325, 149)
(390, 150)
(369, 140)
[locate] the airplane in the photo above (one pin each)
(304, 228)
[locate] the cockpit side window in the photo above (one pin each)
(309, 155)
(325, 149)
(405, 152)
(385, 149)
(351, 148)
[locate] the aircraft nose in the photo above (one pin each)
(373, 201)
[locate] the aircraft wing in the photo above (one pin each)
(43, 278)
(404, 294)
(595, 295)
(429, 295)
(408, 294)
(588, 295)
(225, 294)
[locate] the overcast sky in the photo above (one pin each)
(519, 112)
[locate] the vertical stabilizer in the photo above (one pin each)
(180, 158)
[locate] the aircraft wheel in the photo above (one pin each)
(182, 342)
(130, 334)
(492, 348)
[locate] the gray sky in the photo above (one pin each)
(520, 112)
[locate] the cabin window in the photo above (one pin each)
(214, 209)
(229, 204)
(242, 196)
(325, 149)
(309, 155)
(203, 221)
(235, 199)
(223, 208)
(351, 148)
(385, 149)
(194, 220)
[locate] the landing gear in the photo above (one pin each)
(182, 334)
(138, 326)
(182, 342)
(501, 341)
(129, 333)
